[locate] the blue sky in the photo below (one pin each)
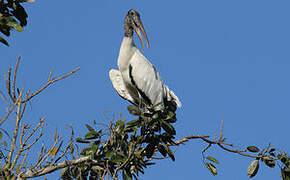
(224, 59)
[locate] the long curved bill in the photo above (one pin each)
(137, 29)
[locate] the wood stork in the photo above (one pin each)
(137, 80)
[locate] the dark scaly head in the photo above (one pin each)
(133, 23)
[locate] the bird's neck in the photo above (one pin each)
(128, 32)
(127, 50)
(128, 29)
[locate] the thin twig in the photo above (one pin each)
(35, 140)
(23, 161)
(19, 150)
(15, 129)
(33, 131)
(8, 113)
(121, 166)
(24, 106)
(220, 144)
(49, 83)
(107, 169)
(185, 139)
(22, 132)
(8, 84)
(21, 143)
(52, 168)
(49, 76)
(47, 154)
(55, 153)
(66, 149)
(14, 78)
(221, 131)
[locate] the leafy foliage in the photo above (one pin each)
(12, 16)
(129, 147)
(285, 170)
(253, 149)
(211, 168)
(270, 158)
(253, 168)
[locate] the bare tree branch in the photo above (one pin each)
(8, 113)
(50, 81)
(14, 78)
(8, 83)
(41, 122)
(49, 169)
(220, 144)
(18, 115)
(23, 143)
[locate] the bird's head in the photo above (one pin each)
(133, 22)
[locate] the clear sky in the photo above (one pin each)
(224, 59)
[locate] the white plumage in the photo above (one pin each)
(137, 80)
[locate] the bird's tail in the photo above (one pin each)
(171, 96)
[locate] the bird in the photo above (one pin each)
(137, 80)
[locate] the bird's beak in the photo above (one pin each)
(137, 27)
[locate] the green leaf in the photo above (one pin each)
(162, 149)
(269, 161)
(53, 151)
(90, 128)
(171, 117)
(155, 126)
(272, 150)
(166, 138)
(211, 168)
(94, 148)
(97, 142)
(253, 168)
(110, 154)
(120, 125)
(1, 135)
(285, 173)
(80, 140)
(170, 153)
(117, 158)
(91, 135)
(64, 173)
(149, 150)
(155, 116)
(126, 176)
(4, 41)
(29, 1)
(11, 22)
(253, 149)
(212, 159)
(15, 26)
(86, 151)
(134, 110)
(133, 123)
(171, 120)
(168, 127)
(131, 129)
(170, 114)
(150, 163)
